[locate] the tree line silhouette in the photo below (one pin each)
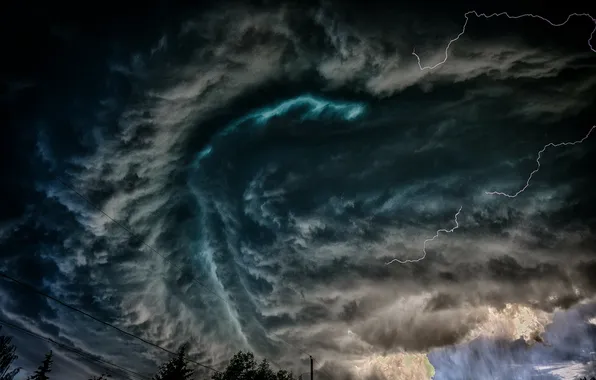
(242, 366)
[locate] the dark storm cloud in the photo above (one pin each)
(290, 221)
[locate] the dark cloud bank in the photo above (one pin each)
(281, 156)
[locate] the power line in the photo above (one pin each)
(322, 369)
(303, 352)
(132, 234)
(71, 349)
(37, 291)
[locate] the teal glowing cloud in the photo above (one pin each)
(312, 108)
(315, 106)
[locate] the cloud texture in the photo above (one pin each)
(269, 161)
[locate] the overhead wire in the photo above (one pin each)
(41, 293)
(322, 369)
(303, 352)
(152, 249)
(133, 234)
(72, 349)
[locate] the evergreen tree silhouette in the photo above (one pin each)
(243, 366)
(43, 369)
(7, 357)
(176, 368)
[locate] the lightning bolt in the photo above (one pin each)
(428, 240)
(538, 164)
(463, 30)
(478, 15)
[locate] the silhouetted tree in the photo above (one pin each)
(43, 369)
(243, 366)
(176, 368)
(7, 357)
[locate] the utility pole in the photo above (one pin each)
(312, 372)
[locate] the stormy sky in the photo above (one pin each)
(236, 176)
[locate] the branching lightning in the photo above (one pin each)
(538, 164)
(467, 16)
(554, 145)
(428, 240)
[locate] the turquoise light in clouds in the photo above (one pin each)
(315, 108)
(345, 110)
